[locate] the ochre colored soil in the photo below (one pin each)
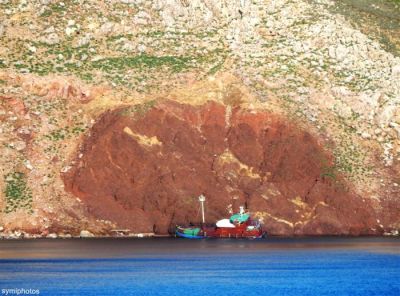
(143, 167)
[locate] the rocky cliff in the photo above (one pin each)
(118, 114)
(143, 167)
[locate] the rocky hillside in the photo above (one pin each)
(119, 113)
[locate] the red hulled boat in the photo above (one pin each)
(239, 225)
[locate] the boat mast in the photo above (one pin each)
(202, 199)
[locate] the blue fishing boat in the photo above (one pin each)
(189, 232)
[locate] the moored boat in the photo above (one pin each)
(189, 232)
(239, 225)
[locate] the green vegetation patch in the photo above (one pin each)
(18, 195)
(66, 132)
(58, 7)
(176, 63)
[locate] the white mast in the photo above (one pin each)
(241, 210)
(202, 199)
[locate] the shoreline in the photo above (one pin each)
(150, 236)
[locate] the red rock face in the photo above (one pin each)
(143, 168)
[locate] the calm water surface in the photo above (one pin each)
(164, 266)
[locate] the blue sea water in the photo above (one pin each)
(164, 266)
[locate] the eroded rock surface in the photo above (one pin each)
(143, 167)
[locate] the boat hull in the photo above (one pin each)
(189, 236)
(220, 232)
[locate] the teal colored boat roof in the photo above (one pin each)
(191, 231)
(239, 218)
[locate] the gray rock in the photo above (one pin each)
(341, 52)
(395, 69)
(84, 40)
(49, 30)
(332, 52)
(141, 18)
(366, 135)
(141, 48)
(106, 28)
(20, 145)
(51, 39)
(28, 164)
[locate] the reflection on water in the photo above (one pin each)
(122, 247)
(166, 266)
